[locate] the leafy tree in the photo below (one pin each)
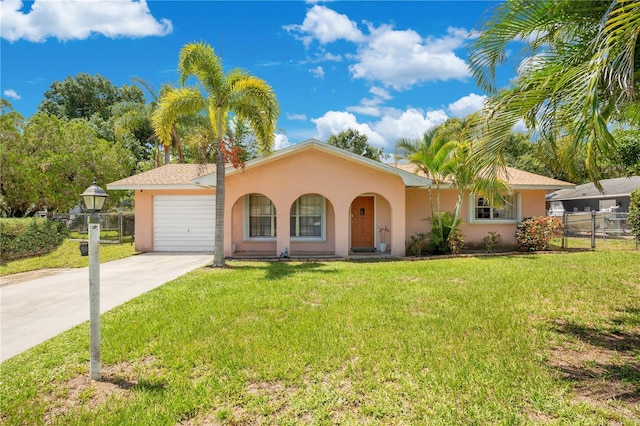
(356, 142)
(522, 154)
(53, 161)
(86, 95)
(236, 91)
(11, 128)
(625, 160)
(579, 73)
(634, 213)
(131, 126)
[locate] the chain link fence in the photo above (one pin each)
(596, 225)
(113, 226)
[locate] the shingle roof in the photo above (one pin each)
(185, 176)
(515, 178)
(612, 187)
(169, 175)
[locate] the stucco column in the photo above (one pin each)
(342, 226)
(283, 239)
(228, 228)
(399, 230)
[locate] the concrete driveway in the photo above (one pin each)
(36, 310)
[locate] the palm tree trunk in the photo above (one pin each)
(218, 255)
(167, 154)
(456, 213)
(178, 143)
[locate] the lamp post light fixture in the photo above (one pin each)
(94, 198)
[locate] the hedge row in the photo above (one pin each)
(20, 238)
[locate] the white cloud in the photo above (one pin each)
(281, 142)
(10, 93)
(401, 59)
(381, 93)
(364, 109)
(411, 123)
(317, 72)
(297, 117)
(384, 133)
(334, 122)
(467, 105)
(397, 59)
(326, 26)
(75, 19)
(373, 106)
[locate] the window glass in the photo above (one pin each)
(306, 216)
(484, 209)
(262, 216)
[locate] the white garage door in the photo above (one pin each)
(183, 223)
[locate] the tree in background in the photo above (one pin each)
(634, 213)
(579, 73)
(237, 91)
(522, 154)
(356, 142)
(51, 161)
(85, 95)
(625, 160)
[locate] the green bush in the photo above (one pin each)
(447, 240)
(634, 213)
(20, 238)
(535, 233)
(418, 244)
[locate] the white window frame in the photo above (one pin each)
(323, 220)
(247, 220)
(517, 206)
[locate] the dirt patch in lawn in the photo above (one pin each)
(602, 365)
(81, 392)
(30, 275)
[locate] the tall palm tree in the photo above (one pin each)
(432, 155)
(222, 94)
(580, 70)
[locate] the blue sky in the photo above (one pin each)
(387, 69)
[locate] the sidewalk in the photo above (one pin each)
(34, 311)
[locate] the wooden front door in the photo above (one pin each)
(362, 223)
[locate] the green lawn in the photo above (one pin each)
(551, 338)
(67, 256)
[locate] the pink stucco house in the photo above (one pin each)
(311, 199)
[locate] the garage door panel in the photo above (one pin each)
(184, 223)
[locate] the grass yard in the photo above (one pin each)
(66, 256)
(550, 338)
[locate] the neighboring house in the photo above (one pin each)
(587, 197)
(311, 199)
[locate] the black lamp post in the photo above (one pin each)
(94, 198)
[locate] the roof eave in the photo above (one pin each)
(548, 187)
(591, 197)
(151, 187)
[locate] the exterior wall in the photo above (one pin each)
(144, 213)
(531, 203)
(314, 171)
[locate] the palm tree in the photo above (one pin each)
(150, 108)
(222, 93)
(432, 155)
(581, 70)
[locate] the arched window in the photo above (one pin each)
(308, 217)
(260, 217)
